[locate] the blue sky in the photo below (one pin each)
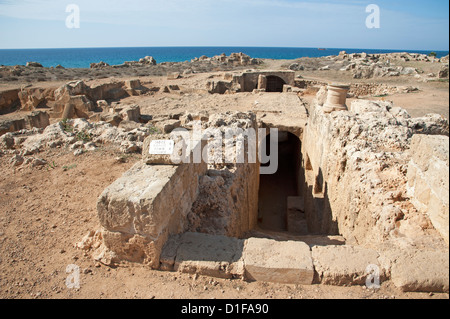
(408, 25)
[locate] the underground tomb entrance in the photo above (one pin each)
(294, 200)
(275, 84)
(280, 203)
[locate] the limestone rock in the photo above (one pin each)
(168, 126)
(72, 88)
(281, 262)
(99, 65)
(17, 160)
(428, 179)
(215, 256)
(344, 265)
(322, 95)
(34, 97)
(131, 113)
(52, 133)
(176, 149)
(133, 84)
(34, 65)
(128, 126)
(7, 141)
(12, 126)
(147, 204)
(112, 119)
(422, 271)
(38, 119)
(443, 73)
(148, 60)
(127, 210)
(296, 67)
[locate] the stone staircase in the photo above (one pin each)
(282, 260)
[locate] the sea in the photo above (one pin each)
(83, 57)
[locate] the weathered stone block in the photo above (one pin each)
(12, 126)
(428, 179)
(131, 113)
(146, 205)
(262, 82)
(282, 262)
(173, 76)
(169, 253)
(422, 271)
(132, 84)
(38, 119)
(168, 126)
(344, 265)
(425, 146)
(209, 255)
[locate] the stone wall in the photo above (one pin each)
(249, 80)
(428, 179)
(228, 200)
(355, 167)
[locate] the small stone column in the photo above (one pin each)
(337, 96)
(262, 82)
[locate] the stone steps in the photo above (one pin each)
(310, 240)
(285, 259)
(252, 259)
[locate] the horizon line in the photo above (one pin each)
(216, 46)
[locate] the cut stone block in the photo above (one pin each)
(146, 205)
(422, 271)
(281, 262)
(38, 119)
(168, 126)
(344, 265)
(131, 113)
(133, 84)
(210, 255)
(428, 179)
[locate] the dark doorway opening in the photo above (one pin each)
(275, 84)
(280, 201)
